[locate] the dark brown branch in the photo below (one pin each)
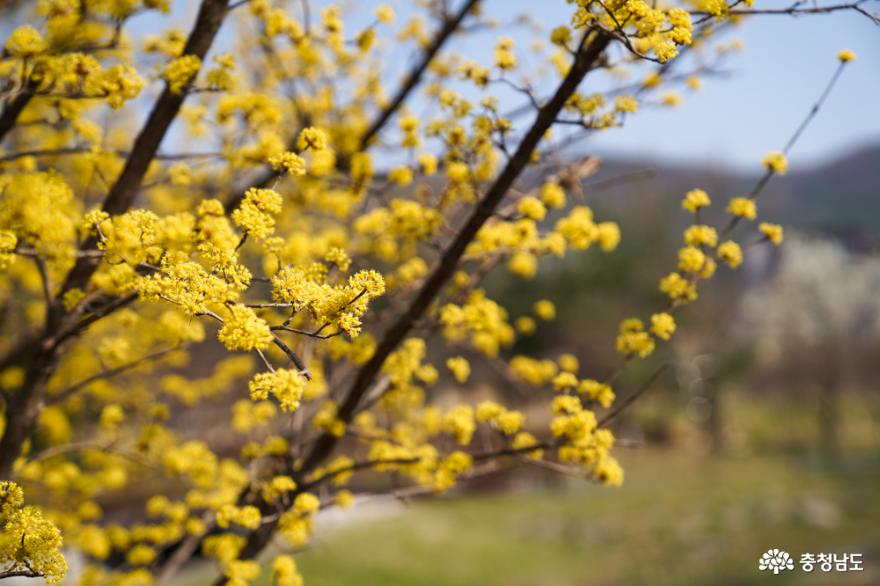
(20, 574)
(797, 11)
(630, 399)
(146, 145)
(11, 112)
(76, 387)
(585, 60)
(417, 72)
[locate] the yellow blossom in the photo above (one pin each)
(772, 232)
(694, 200)
(846, 55)
(730, 253)
(776, 162)
(742, 207)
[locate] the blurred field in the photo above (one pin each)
(679, 519)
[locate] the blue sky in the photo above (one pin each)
(732, 121)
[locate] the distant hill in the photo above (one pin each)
(841, 197)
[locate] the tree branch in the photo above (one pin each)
(416, 73)
(411, 81)
(585, 60)
(11, 112)
(24, 407)
(124, 190)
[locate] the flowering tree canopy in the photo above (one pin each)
(308, 268)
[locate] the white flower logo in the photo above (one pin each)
(776, 560)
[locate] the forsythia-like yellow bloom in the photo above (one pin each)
(385, 14)
(633, 339)
(289, 162)
(460, 368)
(25, 40)
(545, 310)
(694, 200)
(846, 55)
(243, 330)
(181, 71)
(772, 232)
(731, 253)
(531, 207)
(775, 161)
(28, 541)
(742, 207)
(312, 138)
(701, 235)
(286, 385)
(662, 325)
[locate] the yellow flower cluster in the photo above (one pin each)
(8, 241)
(285, 385)
(180, 72)
(296, 525)
(460, 368)
(481, 320)
(28, 541)
(650, 29)
(776, 162)
(327, 304)
(243, 330)
(255, 215)
(247, 516)
(289, 162)
(585, 445)
(285, 572)
(506, 421)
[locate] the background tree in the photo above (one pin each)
(822, 303)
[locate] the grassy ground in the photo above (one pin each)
(679, 519)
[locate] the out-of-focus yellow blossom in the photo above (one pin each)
(662, 325)
(597, 392)
(776, 162)
(460, 368)
(284, 384)
(385, 14)
(742, 207)
(459, 422)
(568, 363)
(730, 253)
(701, 235)
(531, 207)
(846, 55)
(25, 40)
(772, 232)
(552, 195)
(633, 339)
(694, 200)
(180, 72)
(292, 163)
(312, 139)
(545, 310)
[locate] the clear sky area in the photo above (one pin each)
(734, 119)
(772, 83)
